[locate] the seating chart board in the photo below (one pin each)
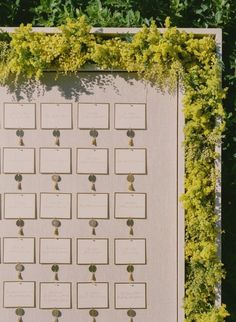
(91, 171)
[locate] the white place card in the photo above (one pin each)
(92, 295)
(93, 115)
(92, 251)
(19, 160)
(19, 250)
(56, 116)
(20, 205)
(130, 161)
(92, 161)
(93, 205)
(55, 296)
(55, 251)
(130, 205)
(130, 116)
(18, 294)
(130, 251)
(130, 296)
(55, 205)
(53, 160)
(19, 116)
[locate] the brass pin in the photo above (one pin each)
(92, 178)
(130, 270)
(94, 134)
(18, 179)
(130, 224)
(93, 223)
(131, 134)
(20, 224)
(56, 314)
(19, 268)
(56, 179)
(131, 313)
(20, 312)
(56, 224)
(20, 134)
(56, 133)
(55, 270)
(93, 269)
(130, 179)
(93, 313)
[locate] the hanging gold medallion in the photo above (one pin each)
(56, 314)
(18, 179)
(130, 270)
(92, 179)
(131, 134)
(130, 179)
(20, 223)
(131, 314)
(56, 179)
(130, 224)
(56, 224)
(19, 313)
(20, 134)
(19, 268)
(55, 270)
(56, 133)
(94, 134)
(93, 313)
(93, 269)
(93, 223)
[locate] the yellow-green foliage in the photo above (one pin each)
(163, 59)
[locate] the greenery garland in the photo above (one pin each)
(162, 59)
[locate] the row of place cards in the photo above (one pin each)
(59, 205)
(59, 295)
(88, 160)
(60, 116)
(88, 251)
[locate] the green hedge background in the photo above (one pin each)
(183, 13)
